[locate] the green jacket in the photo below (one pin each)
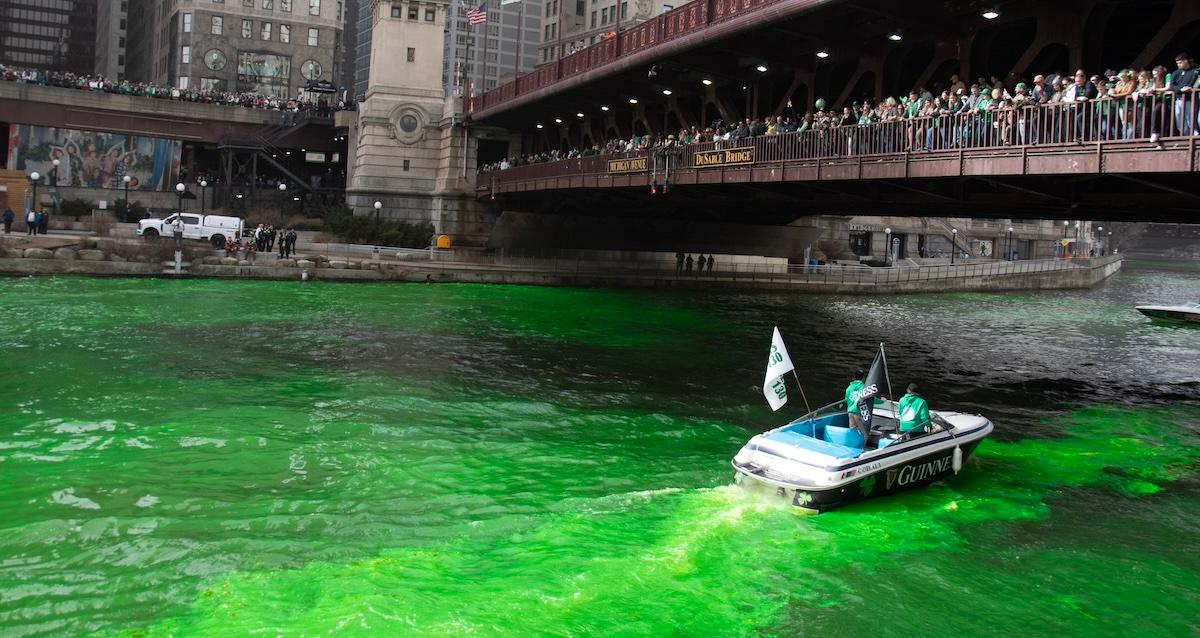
(852, 391)
(913, 412)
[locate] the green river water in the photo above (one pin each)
(226, 458)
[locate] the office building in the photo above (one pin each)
(51, 35)
(571, 25)
(269, 47)
(111, 31)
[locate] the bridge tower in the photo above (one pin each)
(407, 145)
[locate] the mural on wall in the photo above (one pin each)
(94, 159)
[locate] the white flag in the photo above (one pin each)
(778, 364)
(504, 2)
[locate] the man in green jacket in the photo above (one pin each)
(913, 411)
(852, 391)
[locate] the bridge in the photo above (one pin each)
(736, 59)
(228, 141)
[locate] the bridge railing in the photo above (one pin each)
(1131, 119)
(677, 22)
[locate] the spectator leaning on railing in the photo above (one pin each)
(1118, 105)
(102, 84)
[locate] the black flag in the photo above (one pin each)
(876, 382)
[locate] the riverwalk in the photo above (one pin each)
(63, 254)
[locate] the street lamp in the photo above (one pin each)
(887, 246)
(179, 188)
(203, 186)
(282, 189)
(953, 244)
(378, 205)
(125, 180)
(1008, 245)
(54, 174)
(34, 177)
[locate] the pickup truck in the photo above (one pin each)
(215, 229)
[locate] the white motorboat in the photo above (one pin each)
(1188, 313)
(819, 461)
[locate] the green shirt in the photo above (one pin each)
(913, 412)
(852, 391)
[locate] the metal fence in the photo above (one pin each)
(817, 274)
(1138, 118)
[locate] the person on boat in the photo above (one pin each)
(913, 411)
(852, 392)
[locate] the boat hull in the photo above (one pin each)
(1169, 314)
(913, 473)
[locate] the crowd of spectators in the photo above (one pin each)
(1118, 105)
(322, 106)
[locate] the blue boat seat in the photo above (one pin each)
(847, 437)
(819, 446)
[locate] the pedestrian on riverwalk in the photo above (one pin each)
(679, 263)
(31, 223)
(291, 242)
(711, 261)
(689, 261)
(8, 221)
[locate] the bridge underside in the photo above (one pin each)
(713, 72)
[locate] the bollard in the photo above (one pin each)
(304, 276)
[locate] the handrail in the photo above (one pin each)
(1019, 133)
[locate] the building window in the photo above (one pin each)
(285, 33)
(218, 24)
(187, 24)
(314, 7)
(430, 14)
(406, 166)
(593, 19)
(269, 5)
(247, 29)
(185, 54)
(248, 3)
(624, 10)
(412, 11)
(412, 54)
(579, 8)
(122, 27)
(218, 1)
(183, 82)
(339, 11)
(121, 42)
(121, 59)
(312, 37)
(285, 5)
(604, 15)
(265, 32)
(397, 12)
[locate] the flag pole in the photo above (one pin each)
(486, 41)
(806, 406)
(886, 375)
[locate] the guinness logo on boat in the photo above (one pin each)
(891, 478)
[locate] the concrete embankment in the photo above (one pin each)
(51, 259)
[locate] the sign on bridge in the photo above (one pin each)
(725, 157)
(630, 165)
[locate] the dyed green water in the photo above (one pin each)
(203, 458)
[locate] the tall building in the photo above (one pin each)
(571, 25)
(362, 46)
(510, 28)
(111, 29)
(269, 47)
(504, 39)
(52, 35)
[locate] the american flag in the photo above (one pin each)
(477, 15)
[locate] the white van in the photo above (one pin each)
(215, 229)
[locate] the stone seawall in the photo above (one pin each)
(95, 263)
